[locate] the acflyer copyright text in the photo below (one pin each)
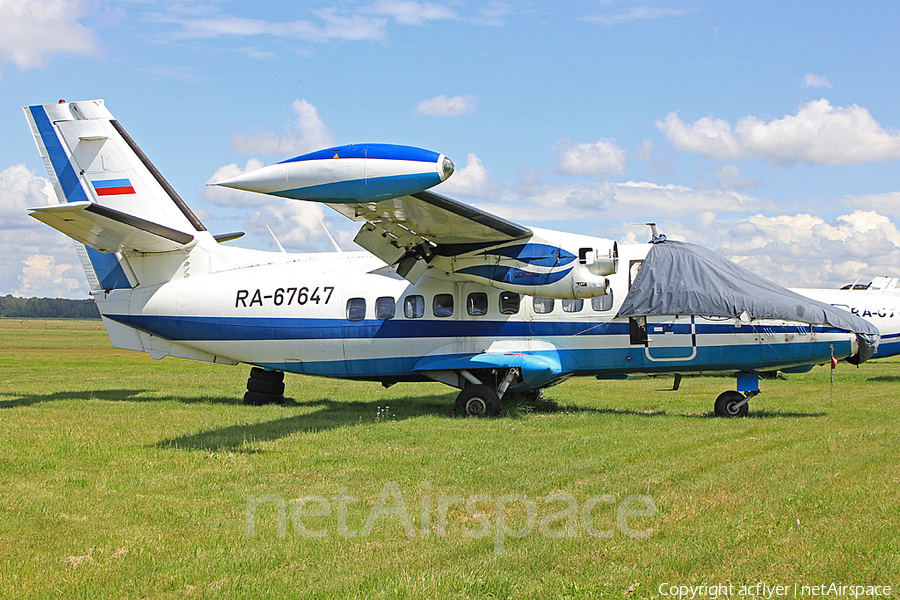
(766, 590)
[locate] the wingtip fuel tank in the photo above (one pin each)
(352, 173)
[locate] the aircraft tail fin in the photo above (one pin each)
(112, 200)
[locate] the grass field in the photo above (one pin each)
(125, 477)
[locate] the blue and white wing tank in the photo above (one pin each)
(349, 174)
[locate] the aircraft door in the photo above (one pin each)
(670, 338)
(478, 306)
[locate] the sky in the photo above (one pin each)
(767, 130)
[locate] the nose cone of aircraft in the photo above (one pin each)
(266, 180)
(447, 168)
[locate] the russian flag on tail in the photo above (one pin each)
(113, 187)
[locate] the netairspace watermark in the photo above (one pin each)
(768, 591)
(556, 515)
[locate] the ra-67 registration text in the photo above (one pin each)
(283, 297)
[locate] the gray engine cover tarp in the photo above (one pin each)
(684, 279)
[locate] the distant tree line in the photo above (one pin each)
(47, 308)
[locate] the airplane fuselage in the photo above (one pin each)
(346, 315)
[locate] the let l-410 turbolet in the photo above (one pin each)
(444, 291)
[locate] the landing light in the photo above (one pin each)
(447, 167)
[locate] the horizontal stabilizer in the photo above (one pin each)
(107, 230)
(227, 237)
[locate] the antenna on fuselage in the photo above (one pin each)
(333, 242)
(277, 243)
(657, 237)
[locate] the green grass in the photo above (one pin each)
(125, 477)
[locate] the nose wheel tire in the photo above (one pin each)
(731, 404)
(477, 401)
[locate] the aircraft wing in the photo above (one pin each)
(436, 218)
(385, 186)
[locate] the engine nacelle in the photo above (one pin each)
(554, 266)
(600, 261)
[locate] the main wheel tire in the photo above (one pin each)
(257, 373)
(727, 405)
(258, 399)
(265, 386)
(477, 401)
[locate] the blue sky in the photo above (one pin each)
(767, 130)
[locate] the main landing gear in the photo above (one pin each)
(478, 399)
(733, 404)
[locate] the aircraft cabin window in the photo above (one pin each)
(633, 270)
(414, 307)
(542, 305)
(384, 308)
(356, 309)
(602, 303)
(573, 304)
(509, 303)
(477, 304)
(442, 305)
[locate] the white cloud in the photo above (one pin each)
(330, 27)
(817, 134)
(806, 251)
(492, 14)
(443, 106)
(473, 181)
(309, 133)
(223, 196)
(657, 162)
(37, 261)
(42, 277)
(408, 12)
(887, 203)
(651, 201)
(297, 224)
(257, 54)
(593, 197)
(21, 189)
(627, 202)
(810, 80)
(729, 179)
(344, 23)
(708, 136)
(634, 13)
(32, 29)
(600, 159)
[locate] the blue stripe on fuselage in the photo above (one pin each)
(292, 328)
(599, 361)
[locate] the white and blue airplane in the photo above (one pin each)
(877, 302)
(444, 291)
